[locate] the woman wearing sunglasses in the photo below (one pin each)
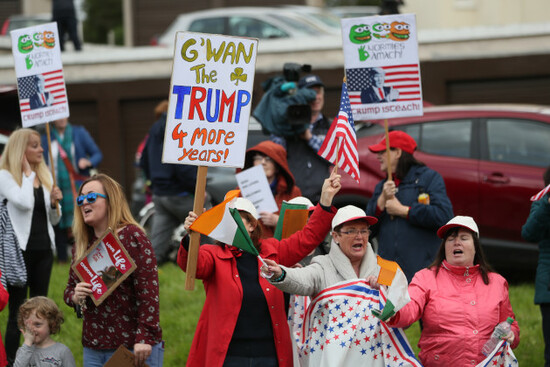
(27, 185)
(130, 315)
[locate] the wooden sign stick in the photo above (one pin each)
(195, 237)
(388, 149)
(52, 166)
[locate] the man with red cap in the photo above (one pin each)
(410, 207)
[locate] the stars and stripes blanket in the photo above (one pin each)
(337, 328)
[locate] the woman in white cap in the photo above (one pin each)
(351, 256)
(243, 321)
(459, 299)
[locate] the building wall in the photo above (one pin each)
(468, 13)
(7, 8)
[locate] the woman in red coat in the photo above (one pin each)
(272, 157)
(4, 296)
(243, 321)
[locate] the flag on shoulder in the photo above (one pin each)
(340, 145)
(223, 223)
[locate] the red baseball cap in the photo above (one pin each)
(398, 139)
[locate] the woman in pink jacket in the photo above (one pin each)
(459, 299)
(243, 321)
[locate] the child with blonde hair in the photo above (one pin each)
(39, 318)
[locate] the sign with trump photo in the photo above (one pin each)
(210, 100)
(104, 265)
(382, 67)
(40, 82)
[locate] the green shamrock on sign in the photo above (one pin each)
(238, 75)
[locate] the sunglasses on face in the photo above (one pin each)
(91, 197)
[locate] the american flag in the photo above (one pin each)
(54, 84)
(339, 329)
(501, 356)
(404, 78)
(540, 194)
(340, 144)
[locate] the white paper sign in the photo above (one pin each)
(254, 186)
(39, 71)
(382, 67)
(210, 100)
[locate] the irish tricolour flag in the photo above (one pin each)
(397, 295)
(223, 223)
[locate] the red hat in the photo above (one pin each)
(398, 139)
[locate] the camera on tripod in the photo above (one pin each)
(284, 108)
(297, 114)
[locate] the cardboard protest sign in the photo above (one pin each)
(210, 100)
(254, 186)
(39, 71)
(382, 66)
(104, 265)
(122, 357)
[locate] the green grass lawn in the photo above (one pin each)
(180, 309)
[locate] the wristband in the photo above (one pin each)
(280, 278)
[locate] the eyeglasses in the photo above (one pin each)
(261, 158)
(91, 197)
(353, 232)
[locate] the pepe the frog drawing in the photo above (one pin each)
(381, 30)
(399, 31)
(49, 39)
(360, 34)
(38, 39)
(24, 44)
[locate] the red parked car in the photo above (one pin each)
(492, 158)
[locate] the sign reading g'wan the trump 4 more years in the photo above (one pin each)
(39, 71)
(210, 100)
(382, 67)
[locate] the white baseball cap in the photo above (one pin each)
(459, 221)
(302, 201)
(349, 213)
(247, 206)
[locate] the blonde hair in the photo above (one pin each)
(118, 213)
(44, 308)
(12, 158)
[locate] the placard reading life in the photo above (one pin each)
(39, 71)
(210, 100)
(104, 265)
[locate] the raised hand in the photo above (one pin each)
(331, 186)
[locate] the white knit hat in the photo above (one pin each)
(459, 221)
(349, 213)
(247, 206)
(302, 201)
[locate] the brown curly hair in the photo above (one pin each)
(45, 308)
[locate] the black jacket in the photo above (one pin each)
(167, 179)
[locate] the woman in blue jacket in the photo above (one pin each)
(410, 207)
(537, 229)
(71, 145)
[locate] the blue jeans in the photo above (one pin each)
(170, 212)
(98, 357)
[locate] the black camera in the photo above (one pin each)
(292, 71)
(298, 114)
